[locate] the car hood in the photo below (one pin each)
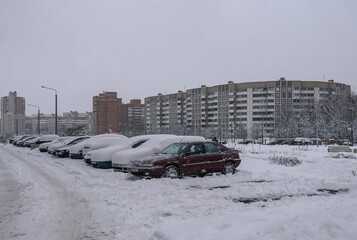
(152, 159)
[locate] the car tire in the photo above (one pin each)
(229, 167)
(171, 171)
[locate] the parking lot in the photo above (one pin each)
(45, 197)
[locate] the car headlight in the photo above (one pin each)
(147, 164)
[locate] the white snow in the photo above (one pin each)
(43, 198)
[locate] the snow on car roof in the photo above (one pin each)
(105, 154)
(151, 146)
(79, 147)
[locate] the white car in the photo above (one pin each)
(76, 151)
(123, 159)
(101, 142)
(102, 158)
(62, 142)
(44, 146)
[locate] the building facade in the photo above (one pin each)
(69, 122)
(12, 115)
(111, 115)
(244, 110)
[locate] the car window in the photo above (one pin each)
(196, 148)
(137, 144)
(175, 148)
(211, 148)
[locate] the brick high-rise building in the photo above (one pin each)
(111, 115)
(106, 108)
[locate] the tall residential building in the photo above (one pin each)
(112, 115)
(253, 108)
(13, 115)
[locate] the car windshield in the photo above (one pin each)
(174, 149)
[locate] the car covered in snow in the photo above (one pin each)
(101, 142)
(29, 142)
(19, 138)
(121, 160)
(63, 141)
(64, 151)
(102, 158)
(76, 151)
(21, 143)
(187, 158)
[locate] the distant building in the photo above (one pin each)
(69, 122)
(111, 115)
(254, 109)
(12, 115)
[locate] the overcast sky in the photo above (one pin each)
(142, 48)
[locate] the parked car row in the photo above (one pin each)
(148, 155)
(32, 141)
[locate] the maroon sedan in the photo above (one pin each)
(182, 159)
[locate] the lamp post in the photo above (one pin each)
(55, 106)
(38, 117)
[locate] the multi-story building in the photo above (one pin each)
(107, 112)
(112, 115)
(13, 114)
(250, 108)
(80, 123)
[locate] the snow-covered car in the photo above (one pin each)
(47, 138)
(64, 151)
(21, 143)
(123, 159)
(28, 142)
(101, 142)
(62, 142)
(19, 138)
(102, 158)
(184, 158)
(76, 151)
(44, 146)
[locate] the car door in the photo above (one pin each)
(193, 162)
(214, 157)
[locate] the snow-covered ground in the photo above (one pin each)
(43, 197)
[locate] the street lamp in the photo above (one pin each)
(55, 106)
(38, 117)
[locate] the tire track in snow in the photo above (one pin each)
(50, 203)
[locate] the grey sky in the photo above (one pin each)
(141, 48)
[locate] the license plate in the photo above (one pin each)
(134, 170)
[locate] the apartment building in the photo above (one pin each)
(247, 109)
(67, 122)
(12, 115)
(110, 114)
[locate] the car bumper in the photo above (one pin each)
(75, 155)
(87, 160)
(62, 154)
(154, 171)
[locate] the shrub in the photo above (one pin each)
(286, 161)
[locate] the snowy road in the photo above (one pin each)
(44, 197)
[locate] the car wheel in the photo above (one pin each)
(229, 167)
(171, 171)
